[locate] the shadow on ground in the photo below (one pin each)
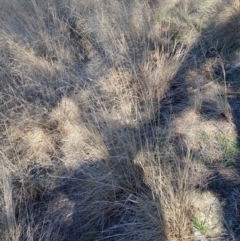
(94, 204)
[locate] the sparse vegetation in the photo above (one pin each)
(200, 225)
(119, 120)
(230, 149)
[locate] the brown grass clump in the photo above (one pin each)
(119, 120)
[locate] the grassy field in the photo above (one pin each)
(119, 120)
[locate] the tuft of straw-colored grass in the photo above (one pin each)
(107, 108)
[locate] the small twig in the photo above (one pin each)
(218, 128)
(225, 82)
(203, 86)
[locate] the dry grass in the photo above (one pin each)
(115, 120)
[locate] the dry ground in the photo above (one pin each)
(119, 120)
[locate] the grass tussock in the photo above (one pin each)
(117, 118)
